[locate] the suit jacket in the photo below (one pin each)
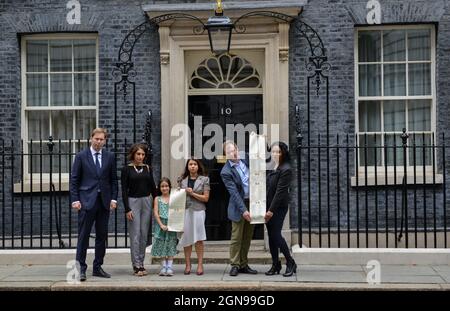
(233, 183)
(85, 182)
(200, 186)
(277, 185)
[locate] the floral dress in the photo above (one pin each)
(165, 243)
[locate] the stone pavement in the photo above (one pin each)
(309, 277)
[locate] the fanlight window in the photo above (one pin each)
(225, 72)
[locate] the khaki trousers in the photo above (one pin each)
(241, 236)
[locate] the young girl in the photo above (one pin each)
(165, 244)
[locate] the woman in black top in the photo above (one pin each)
(137, 185)
(278, 181)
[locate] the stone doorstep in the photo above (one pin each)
(257, 257)
(215, 252)
(362, 256)
(119, 258)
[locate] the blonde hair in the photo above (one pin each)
(99, 130)
(226, 143)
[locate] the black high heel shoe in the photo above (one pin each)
(291, 268)
(275, 269)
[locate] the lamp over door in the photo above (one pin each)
(219, 29)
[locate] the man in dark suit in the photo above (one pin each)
(93, 191)
(236, 178)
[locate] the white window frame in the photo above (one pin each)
(36, 177)
(432, 97)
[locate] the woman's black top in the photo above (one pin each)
(137, 183)
(277, 183)
(191, 183)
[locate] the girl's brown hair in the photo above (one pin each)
(166, 180)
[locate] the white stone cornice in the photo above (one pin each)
(233, 9)
(227, 5)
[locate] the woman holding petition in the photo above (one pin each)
(278, 181)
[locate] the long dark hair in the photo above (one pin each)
(284, 158)
(201, 168)
(134, 148)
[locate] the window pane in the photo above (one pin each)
(419, 79)
(394, 145)
(394, 80)
(419, 115)
(368, 144)
(213, 65)
(61, 90)
(369, 116)
(369, 46)
(39, 161)
(85, 122)
(419, 44)
(84, 92)
(250, 82)
(61, 55)
(38, 125)
(420, 149)
(37, 56)
(37, 90)
(394, 115)
(245, 71)
(84, 55)
(394, 47)
(369, 80)
(62, 125)
(61, 158)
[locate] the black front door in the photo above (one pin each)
(223, 110)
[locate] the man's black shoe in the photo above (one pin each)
(248, 270)
(101, 273)
(83, 276)
(234, 271)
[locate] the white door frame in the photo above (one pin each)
(271, 37)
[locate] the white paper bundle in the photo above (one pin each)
(257, 156)
(177, 206)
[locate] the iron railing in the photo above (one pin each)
(374, 194)
(399, 202)
(35, 207)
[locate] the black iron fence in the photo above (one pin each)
(35, 207)
(353, 191)
(373, 190)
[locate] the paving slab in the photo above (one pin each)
(412, 279)
(332, 276)
(260, 277)
(443, 272)
(348, 268)
(405, 270)
(38, 273)
(8, 270)
(212, 272)
(26, 286)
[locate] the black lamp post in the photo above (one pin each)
(219, 29)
